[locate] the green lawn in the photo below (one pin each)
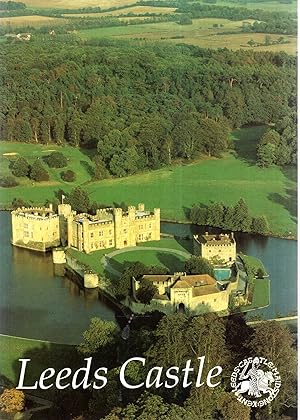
(42, 354)
(149, 257)
(254, 262)
(35, 192)
(93, 260)
(270, 192)
(171, 261)
(261, 295)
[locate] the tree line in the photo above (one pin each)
(236, 218)
(140, 108)
(278, 147)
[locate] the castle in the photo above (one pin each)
(41, 229)
(218, 249)
(195, 292)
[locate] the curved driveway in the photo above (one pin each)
(107, 266)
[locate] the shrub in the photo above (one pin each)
(68, 176)
(20, 167)
(38, 172)
(12, 400)
(8, 181)
(17, 203)
(56, 160)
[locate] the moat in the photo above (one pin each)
(37, 304)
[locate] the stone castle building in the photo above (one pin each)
(40, 228)
(220, 249)
(195, 292)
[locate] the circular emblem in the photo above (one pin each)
(255, 381)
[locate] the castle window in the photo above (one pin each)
(215, 300)
(150, 235)
(125, 230)
(141, 227)
(110, 242)
(26, 234)
(92, 234)
(150, 225)
(101, 233)
(110, 232)
(26, 226)
(92, 246)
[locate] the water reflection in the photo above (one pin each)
(37, 303)
(278, 255)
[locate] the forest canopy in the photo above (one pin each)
(141, 108)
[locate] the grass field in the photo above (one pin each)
(31, 20)
(73, 4)
(201, 33)
(275, 6)
(270, 192)
(137, 10)
(38, 192)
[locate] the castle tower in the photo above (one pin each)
(131, 235)
(141, 207)
(156, 233)
(118, 216)
(86, 237)
(64, 212)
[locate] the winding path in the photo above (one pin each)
(107, 266)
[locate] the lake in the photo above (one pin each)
(35, 303)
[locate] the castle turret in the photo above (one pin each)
(141, 207)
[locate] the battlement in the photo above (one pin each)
(34, 212)
(109, 227)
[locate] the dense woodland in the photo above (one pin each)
(170, 341)
(143, 107)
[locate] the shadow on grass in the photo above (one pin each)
(171, 261)
(116, 265)
(89, 169)
(245, 142)
(288, 201)
(186, 243)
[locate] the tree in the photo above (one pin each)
(185, 20)
(260, 225)
(242, 218)
(135, 269)
(205, 335)
(231, 408)
(20, 167)
(8, 181)
(99, 341)
(214, 136)
(146, 291)
(18, 202)
(199, 215)
(79, 200)
(215, 214)
(100, 171)
(198, 265)
(12, 400)
(37, 172)
(275, 342)
(150, 407)
(266, 155)
(68, 176)
(56, 160)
